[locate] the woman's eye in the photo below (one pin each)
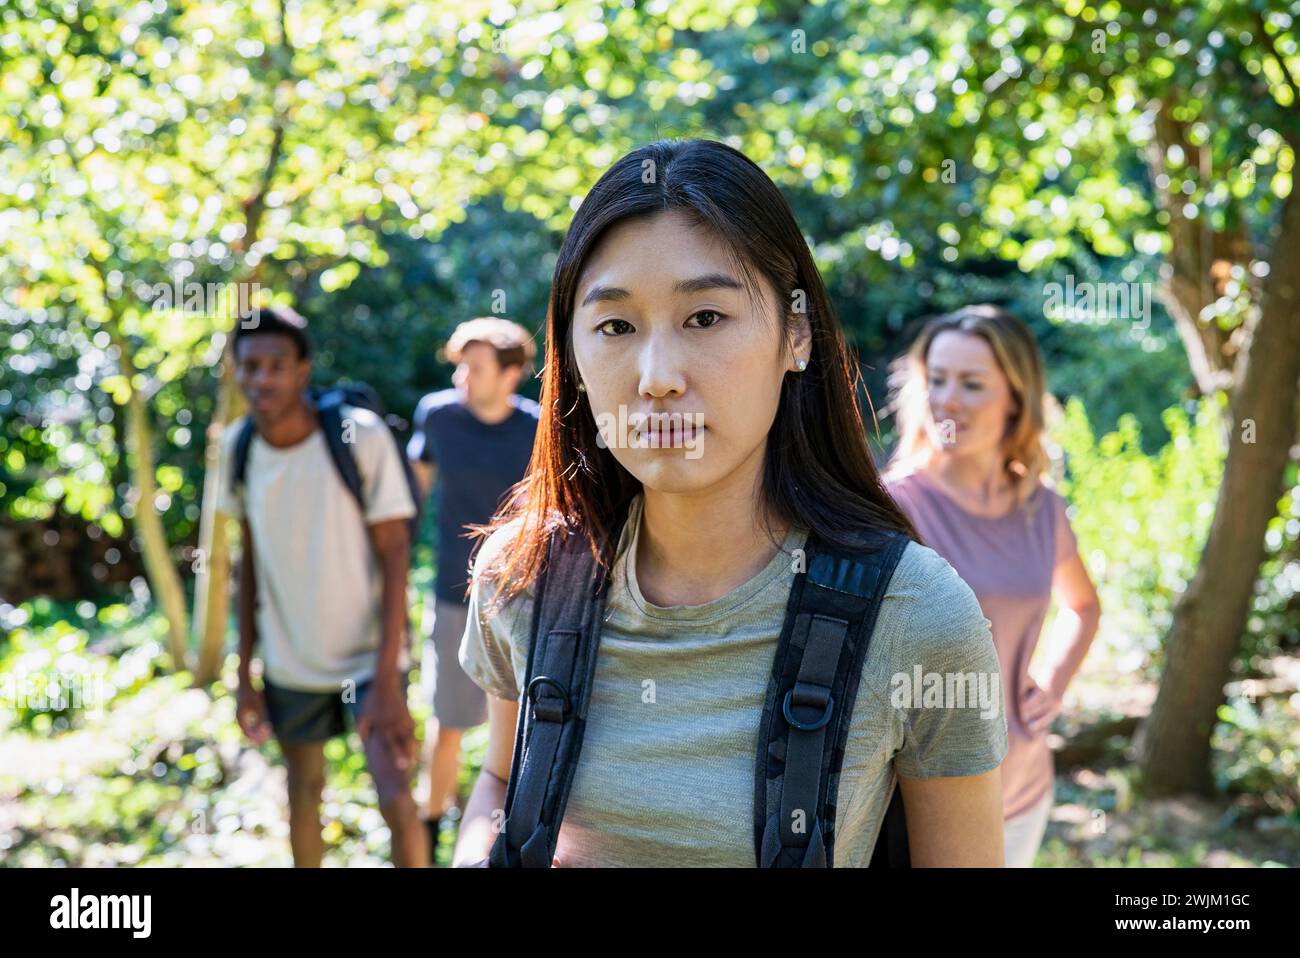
(974, 387)
(620, 323)
(716, 318)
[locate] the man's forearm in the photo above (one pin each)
(394, 567)
(247, 615)
(482, 820)
(424, 473)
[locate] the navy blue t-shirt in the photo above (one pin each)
(476, 463)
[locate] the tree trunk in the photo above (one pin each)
(164, 580)
(212, 584)
(212, 581)
(1174, 743)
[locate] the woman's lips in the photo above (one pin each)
(670, 435)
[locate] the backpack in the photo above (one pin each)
(814, 680)
(329, 403)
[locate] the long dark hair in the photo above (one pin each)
(818, 471)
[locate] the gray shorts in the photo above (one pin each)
(457, 701)
(303, 718)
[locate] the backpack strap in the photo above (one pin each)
(239, 465)
(829, 619)
(568, 611)
(329, 412)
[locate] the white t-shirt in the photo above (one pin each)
(318, 580)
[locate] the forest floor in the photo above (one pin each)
(161, 775)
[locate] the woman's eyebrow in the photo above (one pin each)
(698, 284)
(605, 294)
(707, 281)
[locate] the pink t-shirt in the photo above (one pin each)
(1008, 563)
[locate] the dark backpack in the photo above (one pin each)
(810, 696)
(329, 412)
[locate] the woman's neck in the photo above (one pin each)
(696, 547)
(980, 480)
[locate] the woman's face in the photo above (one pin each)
(662, 324)
(970, 399)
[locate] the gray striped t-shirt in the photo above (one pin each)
(666, 774)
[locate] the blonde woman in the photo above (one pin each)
(968, 471)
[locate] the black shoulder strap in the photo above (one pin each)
(568, 611)
(810, 697)
(829, 621)
(329, 412)
(239, 467)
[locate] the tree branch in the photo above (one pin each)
(1271, 42)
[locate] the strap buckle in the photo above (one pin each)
(811, 695)
(546, 709)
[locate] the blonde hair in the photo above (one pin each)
(1025, 458)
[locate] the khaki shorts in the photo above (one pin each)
(457, 701)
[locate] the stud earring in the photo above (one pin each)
(582, 387)
(801, 365)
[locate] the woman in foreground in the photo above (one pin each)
(684, 286)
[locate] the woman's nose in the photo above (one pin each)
(661, 371)
(940, 401)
